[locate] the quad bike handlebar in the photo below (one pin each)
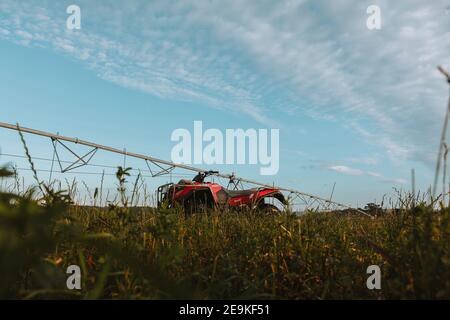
(200, 177)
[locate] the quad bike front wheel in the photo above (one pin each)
(268, 209)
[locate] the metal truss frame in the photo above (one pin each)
(80, 160)
(163, 170)
(314, 203)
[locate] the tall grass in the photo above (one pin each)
(137, 253)
(129, 252)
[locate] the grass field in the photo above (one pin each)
(142, 253)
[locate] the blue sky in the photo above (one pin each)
(354, 106)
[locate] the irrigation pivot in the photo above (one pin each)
(442, 144)
(166, 167)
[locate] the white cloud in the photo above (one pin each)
(357, 172)
(161, 63)
(268, 60)
(345, 72)
(346, 170)
(24, 35)
(382, 178)
(374, 174)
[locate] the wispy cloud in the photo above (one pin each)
(357, 172)
(346, 170)
(374, 174)
(268, 60)
(382, 178)
(163, 63)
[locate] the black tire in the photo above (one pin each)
(268, 209)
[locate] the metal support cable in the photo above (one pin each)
(177, 175)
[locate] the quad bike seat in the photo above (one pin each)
(240, 193)
(184, 181)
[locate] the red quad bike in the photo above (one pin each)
(197, 195)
